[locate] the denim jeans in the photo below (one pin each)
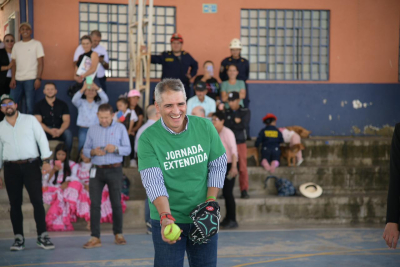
(66, 137)
(167, 255)
(26, 88)
(82, 137)
(113, 178)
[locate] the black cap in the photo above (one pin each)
(233, 96)
(200, 86)
(4, 97)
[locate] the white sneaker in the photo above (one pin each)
(133, 163)
(300, 162)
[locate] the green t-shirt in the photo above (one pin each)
(227, 87)
(183, 159)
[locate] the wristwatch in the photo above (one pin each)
(116, 151)
(46, 161)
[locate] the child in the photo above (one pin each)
(125, 115)
(61, 190)
(270, 138)
(237, 119)
(83, 210)
(292, 138)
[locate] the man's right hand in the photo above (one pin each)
(98, 152)
(53, 132)
(13, 84)
(165, 222)
(391, 234)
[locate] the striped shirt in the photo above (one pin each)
(153, 180)
(99, 136)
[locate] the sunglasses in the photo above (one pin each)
(9, 104)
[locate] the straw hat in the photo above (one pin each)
(310, 190)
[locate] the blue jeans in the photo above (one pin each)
(26, 88)
(66, 137)
(173, 255)
(82, 137)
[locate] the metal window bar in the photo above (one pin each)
(111, 48)
(314, 70)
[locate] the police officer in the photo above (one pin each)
(176, 63)
(237, 119)
(241, 63)
(270, 138)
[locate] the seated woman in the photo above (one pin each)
(83, 207)
(270, 138)
(88, 100)
(90, 66)
(61, 189)
(233, 85)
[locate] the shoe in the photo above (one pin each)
(244, 194)
(43, 241)
(300, 162)
(224, 223)
(231, 225)
(93, 242)
(119, 239)
(19, 243)
(133, 163)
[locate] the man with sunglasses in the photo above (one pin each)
(20, 137)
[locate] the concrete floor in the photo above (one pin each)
(248, 246)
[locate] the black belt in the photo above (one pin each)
(22, 161)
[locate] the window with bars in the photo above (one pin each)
(286, 44)
(113, 23)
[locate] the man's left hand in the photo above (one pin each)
(37, 84)
(46, 168)
(58, 132)
(109, 148)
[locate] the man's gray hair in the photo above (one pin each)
(168, 84)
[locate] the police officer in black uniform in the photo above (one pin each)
(176, 63)
(242, 65)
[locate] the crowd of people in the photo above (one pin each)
(90, 187)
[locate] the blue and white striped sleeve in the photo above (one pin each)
(153, 182)
(217, 171)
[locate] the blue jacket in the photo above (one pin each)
(242, 65)
(172, 67)
(269, 137)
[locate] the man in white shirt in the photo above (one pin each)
(20, 137)
(103, 57)
(201, 99)
(28, 61)
(152, 117)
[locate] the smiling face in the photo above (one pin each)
(90, 93)
(201, 94)
(86, 45)
(25, 32)
(8, 107)
(232, 72)
(173, 109)
(176, 46)
(50, 90)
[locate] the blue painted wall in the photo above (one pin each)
(299, 104)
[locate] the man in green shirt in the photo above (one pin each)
(182, 163)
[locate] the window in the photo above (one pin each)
(113, 23)
(286, 44)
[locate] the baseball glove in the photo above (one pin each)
(206, 218)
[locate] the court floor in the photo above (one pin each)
(244, 247)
